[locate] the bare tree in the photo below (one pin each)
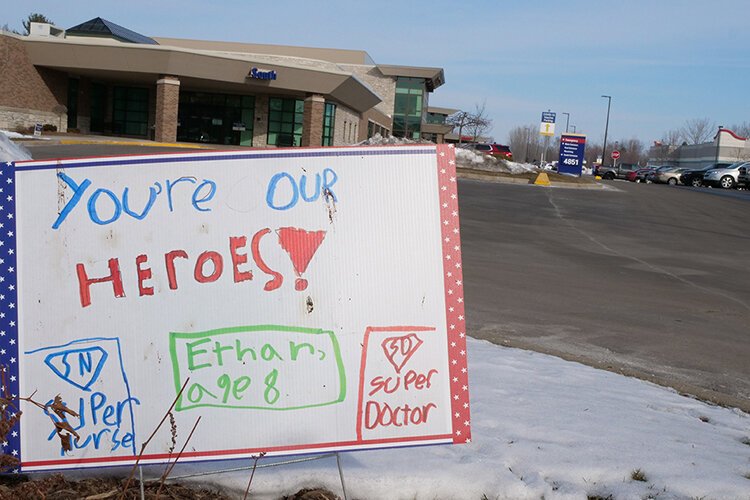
(480, 123)
(476, 123)
(672, 137)
(592, 153)
(459, 121)
(632, 152)
(741, 129)
(698, 130)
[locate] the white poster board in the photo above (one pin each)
(308, 300)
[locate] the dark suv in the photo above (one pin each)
(496, 150)
(743, 177)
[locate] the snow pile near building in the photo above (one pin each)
(10, 151)
(465, 158)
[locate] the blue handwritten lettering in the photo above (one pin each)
(295, 189)
(199, 197)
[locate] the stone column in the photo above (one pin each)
(167, 101)
(312, 122)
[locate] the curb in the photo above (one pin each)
(489, 177)
(133, 143)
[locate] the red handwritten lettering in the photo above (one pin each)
(84, 282)
(383, 415)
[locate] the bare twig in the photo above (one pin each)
(255, 465)
(62, 425)
(171, 466)
(145, 443)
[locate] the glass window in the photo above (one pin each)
(72, 102)
(285, 120)
(329, 119)
(216, 118)
(130, 111)
(408, 105)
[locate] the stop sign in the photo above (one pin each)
(615, 154)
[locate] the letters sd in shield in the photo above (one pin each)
(403, 385)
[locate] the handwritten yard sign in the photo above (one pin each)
(308, 300)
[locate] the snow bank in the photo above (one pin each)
(465, 158)
(545, 428)
(10, 151)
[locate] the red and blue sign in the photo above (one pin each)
(572, 148)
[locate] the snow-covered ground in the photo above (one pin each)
(542, 428)
(546, 428)
(11, 151)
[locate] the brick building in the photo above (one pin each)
(101, 78)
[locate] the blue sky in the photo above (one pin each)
(662, 61)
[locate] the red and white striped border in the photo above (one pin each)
(454, 293)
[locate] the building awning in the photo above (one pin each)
(434, 77)
(206, 70)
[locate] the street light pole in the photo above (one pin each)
(574, 128)
(567, 121)
(606, 127)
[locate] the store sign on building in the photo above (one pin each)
(241, 287)
(262, 74)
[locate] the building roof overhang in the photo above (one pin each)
(442, 111)
(229, 72)
(436, 128)
(434, 77)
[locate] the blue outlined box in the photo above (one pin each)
(90, 377)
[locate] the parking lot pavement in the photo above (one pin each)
(45, 151)
(646, 280)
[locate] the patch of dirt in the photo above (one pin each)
(57, 487)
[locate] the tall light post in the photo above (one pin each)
(574, 128)
(567, 121)
(606, 127)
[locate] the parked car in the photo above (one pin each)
(618, 172)
(638, 175)
(651, 176)
(726, 177)
(694, 177)
(669, 176)
(743, 176)
(497, 150)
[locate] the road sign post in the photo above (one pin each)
(615, 157)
